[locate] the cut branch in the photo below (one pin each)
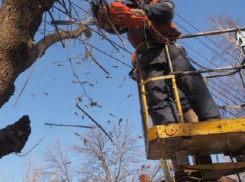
(95, 122)
(14, 137)
(66, 125)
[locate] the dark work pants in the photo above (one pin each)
(162, 106)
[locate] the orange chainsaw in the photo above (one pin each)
(117, 16)
(116, 12)
(120, 16)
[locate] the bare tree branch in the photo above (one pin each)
(51, 39)
(58, 164)
(95, 122)
(102, 161)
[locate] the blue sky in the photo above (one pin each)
(49, 95)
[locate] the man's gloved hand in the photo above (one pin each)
(138, 12)
(133, 74)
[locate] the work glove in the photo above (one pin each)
(138, 12)
(133, 74)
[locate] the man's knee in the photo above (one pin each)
(190, 116)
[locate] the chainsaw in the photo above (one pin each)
(117, 17)
(117, 12)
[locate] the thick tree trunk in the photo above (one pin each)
(14, 137)
(19, 20)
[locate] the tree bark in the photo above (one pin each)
(19, 20)
(14, 137)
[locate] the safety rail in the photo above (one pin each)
(172, 74)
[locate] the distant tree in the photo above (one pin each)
(97, 159)
(104, 161)
(228, 90)
(58, 166)
(32, 172)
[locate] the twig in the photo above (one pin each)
(67, 12)
(33, 67)
(75, 74)
(96, 62)
(56, 28)
(82, 9)
(31, 149)
(95, 122)
(110, 55)
(28, 78)
(78, 126)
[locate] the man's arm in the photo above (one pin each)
(162, 10)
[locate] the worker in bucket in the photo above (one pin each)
(149, 41)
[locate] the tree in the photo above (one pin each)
(20, 21)
(58, 165)
(227, 53)
(96, 159)
(101, 160)
(32, 172)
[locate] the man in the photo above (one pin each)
(152, 60)
(149, 41)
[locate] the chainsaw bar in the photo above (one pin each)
(90, 21)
